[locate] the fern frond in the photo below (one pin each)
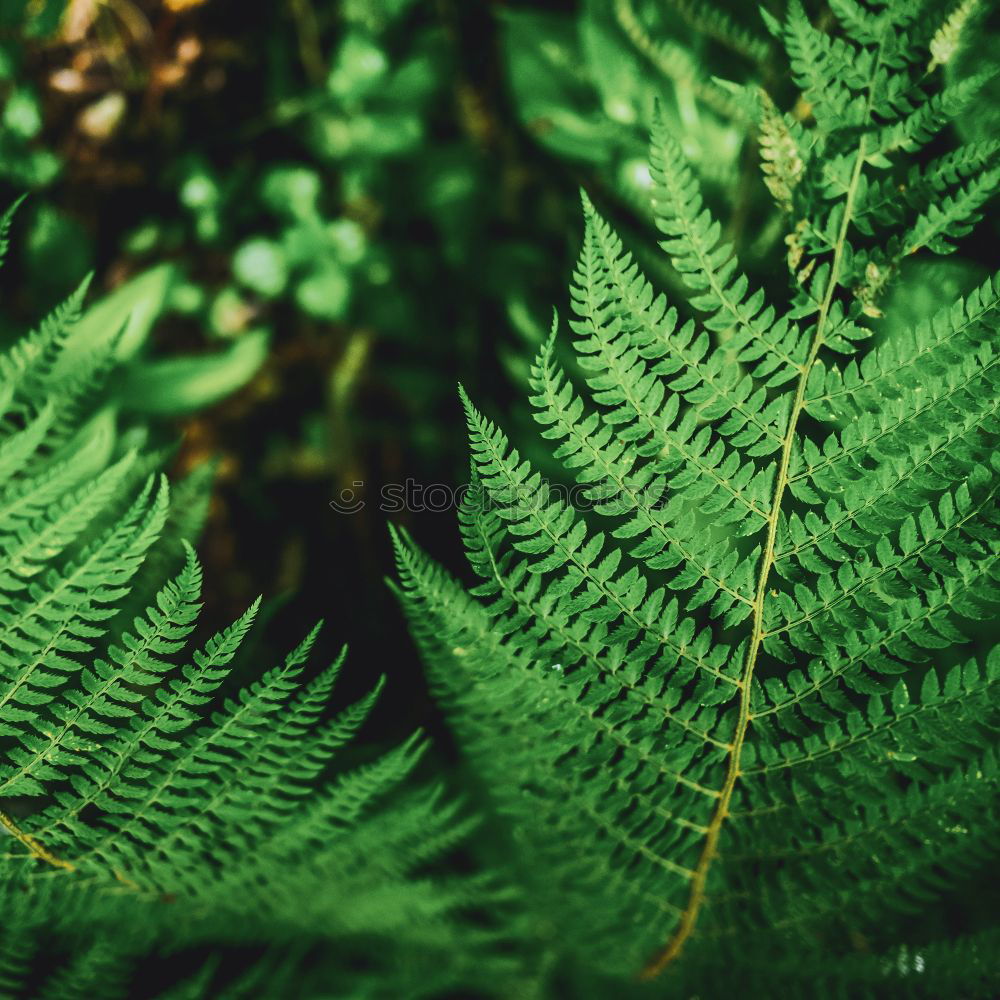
(709, 269)
(675, 62)
(948, 37)
(719, 25)
(27, 365)
(702, 716)
(129, 779)
(829, 71)
(705, 380)
(861, 24)
(885, 202)
(6, 221)
(665, 542)
(945, 221)
(917, 128)
(551, 713)
(781, 158)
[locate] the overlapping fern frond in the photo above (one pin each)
(729, 689)
(151, 797)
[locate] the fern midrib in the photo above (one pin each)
(709, 851)
(687, 923)
(35, 847)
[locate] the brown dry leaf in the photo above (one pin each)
(78, 19)
(189, 49)
(99, 121)
(130, 23)
(168, 75)
(67, 81)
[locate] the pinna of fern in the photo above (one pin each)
(153, 800)
(734, 699)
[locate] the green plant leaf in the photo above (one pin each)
(123, 318)
(180, 385)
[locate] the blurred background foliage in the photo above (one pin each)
(329, 213)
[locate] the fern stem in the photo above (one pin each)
(37, 849)
(697, 897)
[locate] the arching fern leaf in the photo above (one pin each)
(726, 694)
(153, 796)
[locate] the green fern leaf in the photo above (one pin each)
(139, 768)
(705, 687)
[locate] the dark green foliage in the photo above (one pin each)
(589, 91)
(724, 697)
(22, 162)
(724, 690)
(332, 209)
